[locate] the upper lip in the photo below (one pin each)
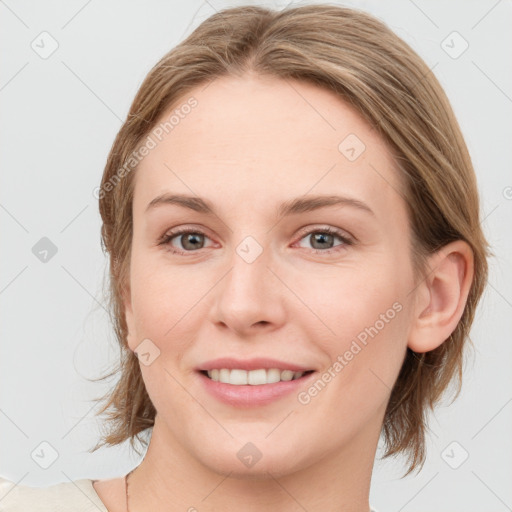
(251, 364)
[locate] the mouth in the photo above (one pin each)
(258, 377)
(253, 388)
(253, 382)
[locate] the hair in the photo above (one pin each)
(359, 58)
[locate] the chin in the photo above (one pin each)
(256, 459)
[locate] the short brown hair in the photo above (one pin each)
(356, 56)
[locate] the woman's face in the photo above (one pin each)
(251, 283)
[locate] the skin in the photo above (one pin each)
(249, 145)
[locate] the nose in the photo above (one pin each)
(249, 298)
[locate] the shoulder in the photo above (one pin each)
(75, 496)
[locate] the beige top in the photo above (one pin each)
(76, 496)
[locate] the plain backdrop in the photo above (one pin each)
(69, 73)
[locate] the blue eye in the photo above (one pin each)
(193, 240)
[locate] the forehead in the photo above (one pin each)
(266, 137)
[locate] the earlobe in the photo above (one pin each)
(441, 296)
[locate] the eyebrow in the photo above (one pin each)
(291, 207)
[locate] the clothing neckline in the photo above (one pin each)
(88, 484)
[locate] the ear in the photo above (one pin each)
(441, 296)
(129, 317)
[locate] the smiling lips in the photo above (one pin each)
(238, 377)
(253, 382)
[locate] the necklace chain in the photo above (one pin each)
(126, 489)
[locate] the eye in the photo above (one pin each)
(188, 239)
(322, 239)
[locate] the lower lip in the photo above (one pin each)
(252, 396)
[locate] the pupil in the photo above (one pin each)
(320, 237)
(189, 238)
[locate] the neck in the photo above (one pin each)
(170, 479)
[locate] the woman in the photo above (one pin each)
(292, 221)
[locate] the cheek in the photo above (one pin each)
(158, 288)
(362, 367)
(162, 299)
(365, 317)
(165, 298)
(350, 299)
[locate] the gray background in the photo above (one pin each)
(60, 115)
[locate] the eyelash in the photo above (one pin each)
(167, 237)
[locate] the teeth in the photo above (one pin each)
(238, 377)
(286, 375)
(273, 375)
(253, 377)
